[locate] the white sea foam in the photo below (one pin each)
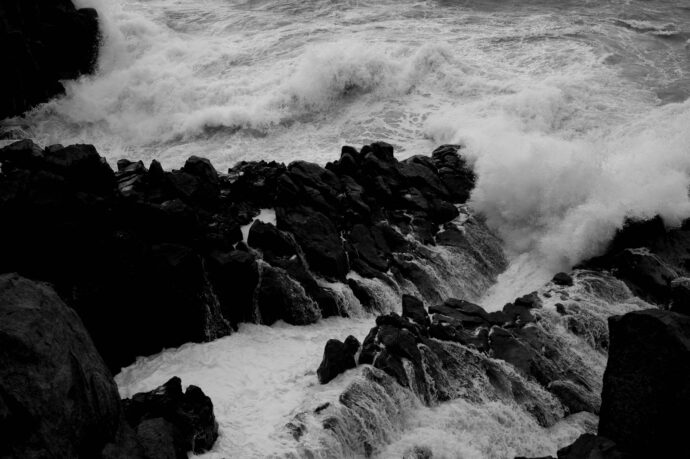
(258, 379)
(557, 198)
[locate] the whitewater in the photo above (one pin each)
(574, 114)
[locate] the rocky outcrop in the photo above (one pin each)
(648, 257)
(337, 358)
(159, 255)
(43, 42)
(58, 398)
(186, 417)
(420, 354)
(647, 383)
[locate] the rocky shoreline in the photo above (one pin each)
(166, 258)
(101, 266)
(168, 247)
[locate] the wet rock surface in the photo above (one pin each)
(161, 253)
(647, 383)
(43, 42)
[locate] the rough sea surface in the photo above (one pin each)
(575, 114)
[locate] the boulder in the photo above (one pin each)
(575, 397)
(454, 172)
(647, 275)
(647, 383)
(468, 314)
(413, 309)
(337, 358)
(563, 279)
(318, 237)
(235, 276)
(169, 413)
(57, 397)
(45, 42)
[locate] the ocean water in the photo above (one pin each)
(574, 113)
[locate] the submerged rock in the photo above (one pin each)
(167, 413)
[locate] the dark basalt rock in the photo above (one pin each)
(235, 277)
(646, 274)
(413, 309)
(166, 247)
(575, 397)
(646, 383)
(563, 279)
(318, 237)
(57, 397)
(337, 358)
(44, 42)
(469, 315)
(168, 412)
(454, 172)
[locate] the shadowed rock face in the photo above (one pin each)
(57, 397)
(43, 41)
(159, 255)
(647, 383)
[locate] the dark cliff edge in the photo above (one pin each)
(43, 42)
(436, 351)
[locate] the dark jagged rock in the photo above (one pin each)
(563, 279)
(413, 309)
(271, 241)
(369, 348)
(166, 247)
(337, 358)
(43, 42)
(646, 274)
(575, 397)
(518, 313)
(319, 239)
(235, 277)
(531, 300)
(646, 383)
(468, 314)
(168, 412)
(256, 182)
(57, 397)
(454, 172)
(282, 298)
(367, 249)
